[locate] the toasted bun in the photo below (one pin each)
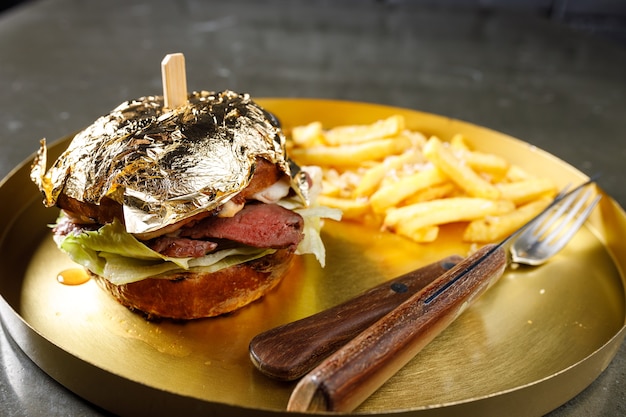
(187, 295)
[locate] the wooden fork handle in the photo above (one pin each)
(289, 351)
(350, 375)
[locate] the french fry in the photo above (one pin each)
(350, 155)
(458, 171)
(488, 163)
(335, 184)
(417, 138)
(424, 235)
(383, 175)
(373, 176)
(521, 192)
(479, 161)
(494, 228)
(352, 209)
(330, 188)
(446, 210)
(381, 129)
(393, 193)
(431, 193)
(308, 135)
(515, 173)
(459, 143)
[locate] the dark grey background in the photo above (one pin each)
(605, 18)
(552, 73)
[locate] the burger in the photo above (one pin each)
(183, 213)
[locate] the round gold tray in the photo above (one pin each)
(535, 340)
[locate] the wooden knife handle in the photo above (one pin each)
(349, 376)
(290, 351)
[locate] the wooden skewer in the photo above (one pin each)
(174, 80)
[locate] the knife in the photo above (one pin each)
(290, 351)
(351, 374)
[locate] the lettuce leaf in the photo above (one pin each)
(118, 256)
(313, 216)
(313, 221)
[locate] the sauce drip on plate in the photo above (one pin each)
(73, 276)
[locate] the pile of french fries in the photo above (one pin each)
(385, 175)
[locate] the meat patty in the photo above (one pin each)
(257, 225)
(182, 248)
(265, 174)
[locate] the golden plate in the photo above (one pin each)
(534, 341)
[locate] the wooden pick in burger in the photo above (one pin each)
(174, 80)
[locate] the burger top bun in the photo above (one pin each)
(163, 166)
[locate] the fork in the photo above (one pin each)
(547, 233)
(351, 374)
(544, 236)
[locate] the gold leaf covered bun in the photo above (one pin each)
(166, 165)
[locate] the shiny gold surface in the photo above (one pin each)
(165, 165)
(531, 343)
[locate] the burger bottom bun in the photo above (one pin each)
(189, 295)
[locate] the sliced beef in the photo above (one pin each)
(181, 247)
(258, 225)
(265, 174)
